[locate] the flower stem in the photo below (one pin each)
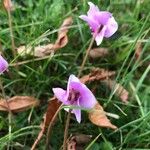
(79, 74)
(66, 130)
(11, 33)
(86, 56)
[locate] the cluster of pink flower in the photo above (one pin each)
(102, 24)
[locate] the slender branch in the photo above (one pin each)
(11, 33)
(50, 127)
(66, 130)
(86, 56)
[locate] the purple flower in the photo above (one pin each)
(3, 65)
(77, 94)
(102, 23)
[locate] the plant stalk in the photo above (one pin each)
(79, 74)
(86, 56)
(66, 130)
(11, 33)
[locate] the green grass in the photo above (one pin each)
(36, 22)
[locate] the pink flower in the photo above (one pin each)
(102, 23)
(3, 65)
(77, 94)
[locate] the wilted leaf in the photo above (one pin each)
(82, 138)
(53, 106)
(97, 74)
(78, 141)
(71, 145)
(41, 51)
(118, 88)
(8, 5)
(98, 52)
(18, 103)
(98, 117)
(64, 27)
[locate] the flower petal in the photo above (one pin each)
(3, 65)
(87, 99)
(91, 22)
(99, 37)
(72, 78)
(112, 27)
(77, 113)
(103, 17)
(92, 10)
(60, 94)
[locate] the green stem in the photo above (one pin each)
(9, 114)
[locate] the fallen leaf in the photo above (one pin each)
(78, 141)
(120, 91)
(82, 138)
(8, 5)
(64, 27)
(98, 52)
(18, 103)
(71, 145)
(98, 117)
(53, 106)
(61, 41)
(97, 74)
(41, 51)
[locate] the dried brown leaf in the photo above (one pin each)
(71, 145)
(18, 103)
(98, 52)
(119, 89)
(96, 75)
(8, 5)
(53, 106)
(78, 141)
(82, 138)
(61, 41)
(41, 51)
(98, 117)
(64, 27)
